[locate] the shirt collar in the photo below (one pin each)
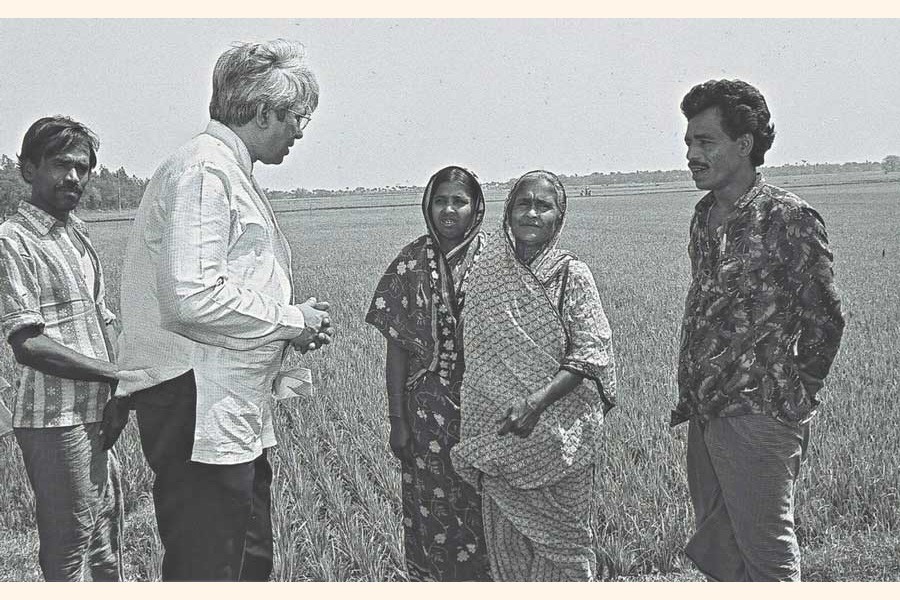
(752, 193)
(38, 219)
(745, 199)
(228, 137)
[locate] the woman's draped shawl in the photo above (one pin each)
(418, 301)
(516, 342)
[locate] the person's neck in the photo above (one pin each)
(527, 252)
(62, 216)
(728, 195)
(446, 244)
(250, 136)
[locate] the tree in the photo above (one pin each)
(890, 163)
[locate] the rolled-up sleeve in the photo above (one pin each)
(196, 297)
(590, 350)
(20, 290)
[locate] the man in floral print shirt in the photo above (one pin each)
(761, 327)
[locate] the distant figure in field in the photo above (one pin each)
(53, 313)
(762, 324)
(539, 366)
(208, 303)
(418, 306)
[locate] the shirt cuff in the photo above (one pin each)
(293, 317)
(13, 323)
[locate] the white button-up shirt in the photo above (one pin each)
(206, 286)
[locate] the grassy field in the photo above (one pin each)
(336, 493)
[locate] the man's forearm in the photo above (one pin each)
(48, 356)
(233, 318)
(822, 325)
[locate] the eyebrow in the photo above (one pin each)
(70, 160)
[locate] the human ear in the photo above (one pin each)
(745, 142)
(28, 169)
(262, 115)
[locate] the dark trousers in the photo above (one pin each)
(214, 520)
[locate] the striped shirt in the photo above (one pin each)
(42, 284)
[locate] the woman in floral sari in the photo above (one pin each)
(417, 307)
(540, 375)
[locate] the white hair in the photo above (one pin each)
(274, 73)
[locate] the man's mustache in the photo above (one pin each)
(70, 187)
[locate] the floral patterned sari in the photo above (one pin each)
(417, 305)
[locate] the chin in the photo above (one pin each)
(702, 185)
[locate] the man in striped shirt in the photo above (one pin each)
(53, 313)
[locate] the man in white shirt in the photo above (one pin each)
(207, 305)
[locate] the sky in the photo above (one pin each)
(402, 98)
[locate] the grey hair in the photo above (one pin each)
(551, 178)
(274, 73)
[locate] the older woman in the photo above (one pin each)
(539, 377)
(417, 306)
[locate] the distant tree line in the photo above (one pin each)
(889, 164)
(107, 190)
(117, 190)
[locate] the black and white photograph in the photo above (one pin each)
(449, 299)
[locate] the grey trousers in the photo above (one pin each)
(741, 473)
(78, 502)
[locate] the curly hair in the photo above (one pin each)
(50, 136)
(742, 109)
(274, 73)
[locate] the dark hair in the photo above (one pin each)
(459, 175)
(742, 109)
(50, 136)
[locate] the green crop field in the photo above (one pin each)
(336, 491)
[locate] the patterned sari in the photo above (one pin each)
(525, 322)
(417, 305)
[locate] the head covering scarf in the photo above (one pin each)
(418, 301)
(516, 341)
(549, 262)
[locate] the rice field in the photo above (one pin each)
(336, 491)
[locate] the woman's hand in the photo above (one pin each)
(401, 439)
(522, 416)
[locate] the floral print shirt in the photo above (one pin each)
(761, 311)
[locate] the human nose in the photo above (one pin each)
(691, 153)
(72, 175)
(299, 134)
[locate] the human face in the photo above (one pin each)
(451, 210)
(281, 134)
(58, 182)
(534, 214)
(716, 161)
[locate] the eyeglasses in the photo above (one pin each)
(301, 119)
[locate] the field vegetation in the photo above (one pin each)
(336, 492)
